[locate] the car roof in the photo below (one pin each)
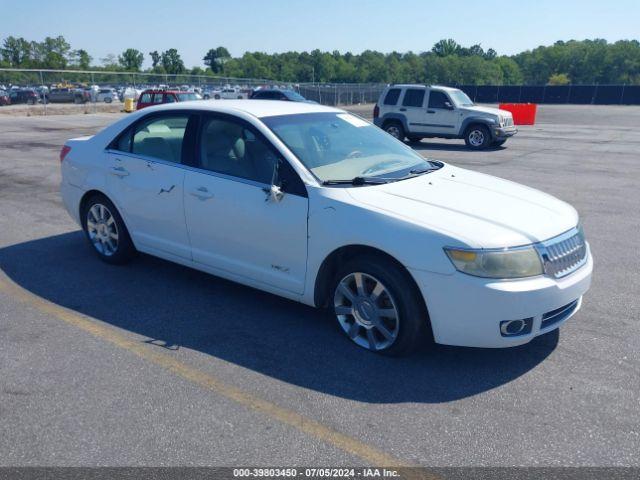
(257, 108)
(162, 90)
(418, 85)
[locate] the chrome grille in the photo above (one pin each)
(564, 254)
(508, 121)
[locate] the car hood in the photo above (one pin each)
(477, 210)
(487, 110)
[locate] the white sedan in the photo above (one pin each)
(319, 206)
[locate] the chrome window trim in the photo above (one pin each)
(189, 168)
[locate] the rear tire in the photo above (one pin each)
(414, 139)
(105, 230)
(477, 137)
(378, 306)
(395, 129)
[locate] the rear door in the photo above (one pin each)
(412, 106)
(146, 181)
(442, 117)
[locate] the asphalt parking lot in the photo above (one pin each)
(156, 364)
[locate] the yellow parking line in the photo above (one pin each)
(353, 446)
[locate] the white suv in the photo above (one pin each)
(419, 111)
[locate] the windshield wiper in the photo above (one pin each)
(357, 181)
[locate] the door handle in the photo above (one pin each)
(431, 111)
(202, 193)
(119, 171)
(403, 109)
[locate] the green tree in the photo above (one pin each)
(446, 47)
(81, 59)
(216, 58)
(171, 61)
(131, 60)
(155, 58)
(559, 79)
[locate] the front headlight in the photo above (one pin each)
(507, 263)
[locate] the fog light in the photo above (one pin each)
(514, 328)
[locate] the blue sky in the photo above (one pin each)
(508, 26)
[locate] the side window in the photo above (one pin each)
(413, 97)
(123, 142)
(157, 97)
(228, 147)
(161, 137)
(146, 98)
(437, 99)
(169, 98)
(392, 96)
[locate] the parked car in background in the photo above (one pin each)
(317, 205)
(25, 95)
(157, 97)
(4, 98)
(230, 93)
(425, 111)
(68, 95)
(107, 95)
(277, 94)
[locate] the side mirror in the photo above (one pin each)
(448, 105)
(274, 192)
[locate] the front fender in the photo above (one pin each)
(489, 122)
(336, 222)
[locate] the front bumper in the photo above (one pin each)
(501, 133)
(467, 311)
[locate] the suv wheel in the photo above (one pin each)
(414, 139)
(377, 306)
(395, 129)
(477, 137)
(106, 230)
(499, 143)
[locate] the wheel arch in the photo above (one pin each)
(395, 117)
(90, 193)
(343, 254)
(471, 121)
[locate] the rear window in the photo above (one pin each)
(413, 97)
(392, 96)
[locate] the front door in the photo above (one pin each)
(233, 223)
(146, 181)
(441, 117)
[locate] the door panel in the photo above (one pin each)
(232, 227)
(412, 106)
(151, 196)
(438, 118)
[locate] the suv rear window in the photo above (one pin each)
(392, 96)
(413, 97)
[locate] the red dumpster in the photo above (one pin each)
(523, 113)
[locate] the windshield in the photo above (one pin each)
(341, 146)
(295, 96)
(184, 97)
(460, 98)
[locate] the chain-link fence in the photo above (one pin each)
(82, 91)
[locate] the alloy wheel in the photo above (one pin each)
(476, 138)
(366, 311)
(102, 229)
(394, 131)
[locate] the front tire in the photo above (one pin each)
(477, 137)
(499, 143)
(377, 306)
(105, 230)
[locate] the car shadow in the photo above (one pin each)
(178, 307)
(450, 147)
